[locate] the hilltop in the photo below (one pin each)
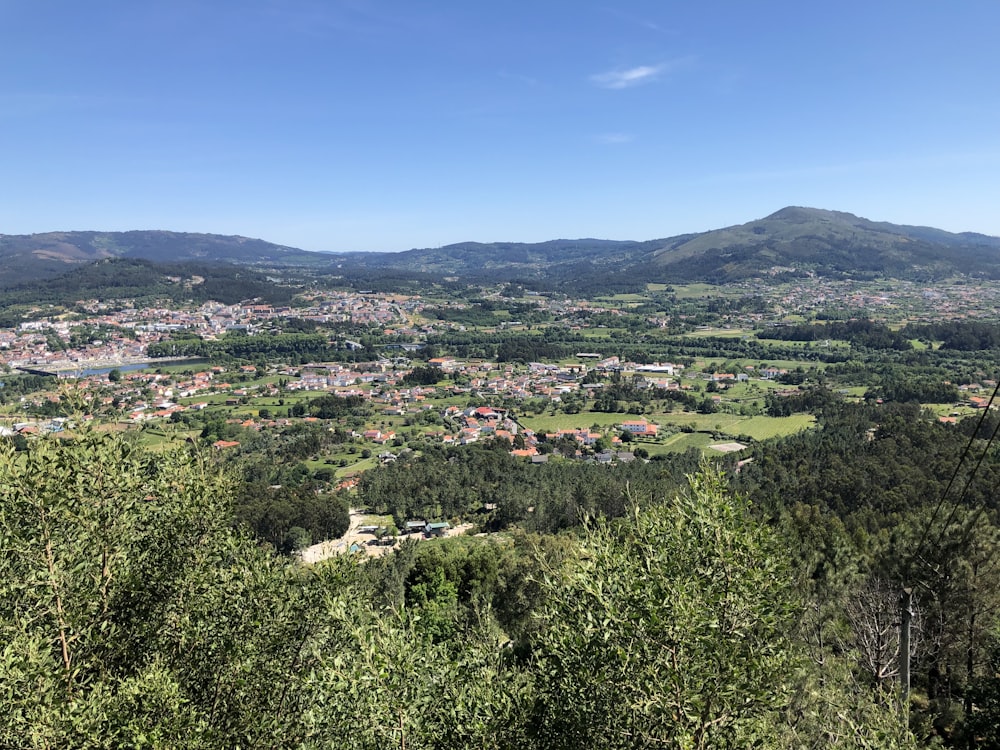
(793, 242)
(828, 243)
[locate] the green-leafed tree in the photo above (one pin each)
(668, 630)
(384, 683)
(131, 614)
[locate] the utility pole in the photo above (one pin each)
(906, 615)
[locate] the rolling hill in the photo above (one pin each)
(36, 256)
(792, 242)
(828, 243)
(144, 281)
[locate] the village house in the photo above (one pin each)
(640, 427)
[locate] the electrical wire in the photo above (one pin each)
(965, 490)
(968, 446)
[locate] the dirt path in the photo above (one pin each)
(331, 547)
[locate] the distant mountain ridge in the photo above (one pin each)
(794, 241)
(829, 243)
(35, 256)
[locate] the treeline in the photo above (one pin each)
(484, 482)
(12, 386)
(278, 498)
(506, 346)
(867, 458)
(924, 390)
(481, 312)
(809, 400)
(555, 343)
(873, 369)
(966, 336)
(734, 348)
(881, 497)
(619, 394)
(296, 347)
(867, 333)
(290, 517)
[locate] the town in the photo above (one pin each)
(398, 360)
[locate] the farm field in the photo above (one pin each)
(582, 421)
(758, 428)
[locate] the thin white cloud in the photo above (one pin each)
(613, 139)
(636, 20)
(623, 79)
(526, 80)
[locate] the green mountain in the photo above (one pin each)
(35, 256)
(799, 241)
(143, 280)
(793, 242)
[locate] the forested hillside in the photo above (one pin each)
(144, 280)
(38, 256)
(792, 243)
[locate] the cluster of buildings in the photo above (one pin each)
(126, 331)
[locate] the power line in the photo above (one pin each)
(965, 489)
(905, 599)
(947, 489)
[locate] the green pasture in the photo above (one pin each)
(699, 291)
(357, 468)
(810, 345)
(762, 428)
(759, 428)
(678, 443)
(163, 436)
(371, 519)
(600, 333)
(854, 391)
(584, 420)
(719, 333)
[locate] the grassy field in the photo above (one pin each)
(357, 468)
(370, 519)
(762, 428)
(583, 420)
(699, 291)
(677, 443)
(598, 333)
(820, 345)
(719, 333)
(759, 428)
(162, 437)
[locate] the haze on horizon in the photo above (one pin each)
(355, 125)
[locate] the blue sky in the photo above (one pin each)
(354, 125)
